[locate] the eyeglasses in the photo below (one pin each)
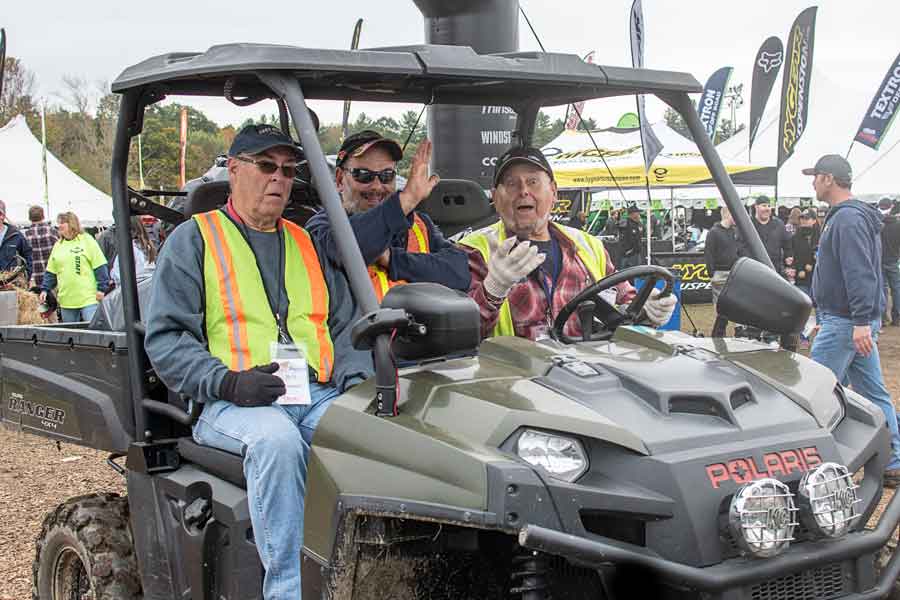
(268, 167)
(366, 176)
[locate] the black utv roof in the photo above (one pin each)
(421, 74)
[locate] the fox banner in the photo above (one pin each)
(574, 117)
(883, 109)
(796, 84)
(711, 101)
(649, 142)
(766, 67)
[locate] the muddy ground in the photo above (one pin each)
(36, 475)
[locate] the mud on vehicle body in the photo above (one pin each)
(631, 463)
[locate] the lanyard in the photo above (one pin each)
(546, 278)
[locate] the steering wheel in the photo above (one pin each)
(592, 308)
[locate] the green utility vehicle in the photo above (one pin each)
(633, 463)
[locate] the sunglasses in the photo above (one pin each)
(268, 167)
(366, 176)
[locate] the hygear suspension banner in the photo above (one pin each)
(766, 67)
(883, 109)
(649, 142)
(710, 104)
(796, 84)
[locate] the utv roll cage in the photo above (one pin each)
(426, 74)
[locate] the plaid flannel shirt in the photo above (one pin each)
(42, 237)
(527, 299)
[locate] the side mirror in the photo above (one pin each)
(756, 295)
(448, 322)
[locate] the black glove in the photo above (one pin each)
(255, 387)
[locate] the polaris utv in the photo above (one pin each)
(633, 463)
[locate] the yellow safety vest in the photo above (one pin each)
(588, 249)
(239, 324)
(417, 241)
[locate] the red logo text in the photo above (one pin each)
(745, 470)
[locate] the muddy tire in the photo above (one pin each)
(85, 552)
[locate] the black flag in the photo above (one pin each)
(796, 83)
(882, 110)
(2, 59)
(354, 44)
(711, 101)
(765, 72)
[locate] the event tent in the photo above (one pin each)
(22, 181)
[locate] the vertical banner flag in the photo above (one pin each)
(711, 101)
(354, 44)
(883, 109)
(572, 119)
(2, 59)
(183, 142)
(765, 71)
(650, 144)
(796, 84)
(44, 155)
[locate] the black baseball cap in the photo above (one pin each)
(357, 144)
(834, 165)
(809, 213)
(633, 209)
(762, 199)
(885, 203)
(254, 139)
(521, 154)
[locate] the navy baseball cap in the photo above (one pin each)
(762, 199)
(357, 144)
(254, 139)
(521, 154)
(834, 165)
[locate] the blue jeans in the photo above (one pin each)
(892, 283)
(833, 347)
(76, 315)
(275, 442)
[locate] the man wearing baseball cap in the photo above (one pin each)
(848, 292)
(890, 257)
(804, 244)
(526, 268)
(398, 243)
(773, 233)
(235, 288)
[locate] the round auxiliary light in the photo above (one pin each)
(827, 497)
(762, 518)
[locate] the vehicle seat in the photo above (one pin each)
(458, 204)
(226, 465)
(210, 195)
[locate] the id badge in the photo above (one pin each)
(293, 371)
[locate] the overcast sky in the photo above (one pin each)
(96, 39)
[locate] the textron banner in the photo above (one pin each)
(711, 101)
(649, 142)
(882, 110)
(796, 83)
(765, 71)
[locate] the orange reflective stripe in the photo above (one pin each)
(380, 282)
(418, 240)
(319, 295)
(231, 297)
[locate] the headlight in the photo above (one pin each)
(761, 517)
(562, 457)
(828, 499)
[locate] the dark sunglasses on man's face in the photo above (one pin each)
(268, 167)
(366, 176)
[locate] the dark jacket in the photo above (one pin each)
(721, 248)
(776, 240)
(386, 226)
(848, 281)
(109, 244)
(631, 234)
(805, 242)
(890, 240)
(14, 244)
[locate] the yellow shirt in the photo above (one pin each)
(73, 262)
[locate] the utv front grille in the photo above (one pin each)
(821, 583)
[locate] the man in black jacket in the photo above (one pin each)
(14, 248)
(773, 233)
(631, 234)
(720, 252)
(805, 242)
(890, 256)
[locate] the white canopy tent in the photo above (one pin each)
(22, 181)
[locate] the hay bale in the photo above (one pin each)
(28, 313)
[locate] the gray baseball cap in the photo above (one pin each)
(834, 165)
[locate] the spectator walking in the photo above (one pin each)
(849, 296)
(805, 243)
(611, 227)
(631, 234)
(78, 269)
(144, 252)
(720, 254)
(890, 257)
(14, 248)
(773, 234)
(41, 236)
(793, 221)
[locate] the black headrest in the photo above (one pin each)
(210, 195)
(456, 204)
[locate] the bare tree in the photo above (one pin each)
(18, 87)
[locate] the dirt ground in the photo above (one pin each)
(36, 475)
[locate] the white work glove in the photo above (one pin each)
(659, 310)
(508, 265)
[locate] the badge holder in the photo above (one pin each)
(293, 370)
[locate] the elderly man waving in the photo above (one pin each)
(525, 268)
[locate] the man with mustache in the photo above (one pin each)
(526, 268)
(398, 243)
